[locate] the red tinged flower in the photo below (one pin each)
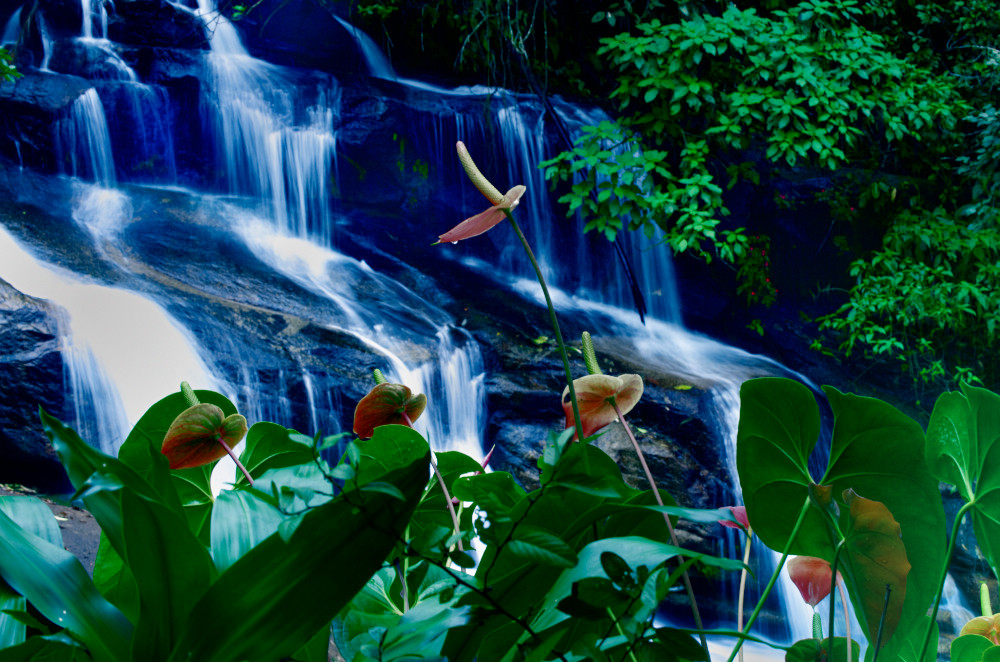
(200, 435)
(740, 513)
(482, 222)
(594, 394)
(812, 577)
(387, 404)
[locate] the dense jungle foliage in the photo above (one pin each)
(889, 100)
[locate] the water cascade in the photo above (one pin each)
(143, 347)
(271, 142)
(12, 30)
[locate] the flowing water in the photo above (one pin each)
(273, 139)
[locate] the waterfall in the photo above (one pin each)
(378, 64)
(142, 347)
(12, 30)
(84, 143)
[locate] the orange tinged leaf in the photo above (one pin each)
(594, 394)
(387, 404)
(193, 439)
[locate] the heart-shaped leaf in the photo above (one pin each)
(196, 436)
(877, 558)
(875, 450)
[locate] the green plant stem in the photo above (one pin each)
(235, 459)
(959, 516)
(444, 489)
(451, 506)
(621, 632)
(774, 577)
(555, 322)
(847, 619)
(833, 583)
(743, 584)
(670, 527)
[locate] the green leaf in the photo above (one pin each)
(55, 583)
(270, 446)
(540, 546)
(390, 447)
(115, 581)
(950, 448)
(876, 450)
(969, 648)
(815, 650)
(172, 569)
(303, 580)
(240, 521)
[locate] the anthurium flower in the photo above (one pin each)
(594, 394)
(984, 626)
(480, 223)
(200, 435)
(387, 404)
(740, 513)
(812, 577)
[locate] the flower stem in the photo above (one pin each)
(944, 574)
(774, 577)
(236, 460)
(743, 585)
(444, 489)
(552, 318)
(666, 518)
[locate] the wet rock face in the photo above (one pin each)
(155, 23)
(31, 375)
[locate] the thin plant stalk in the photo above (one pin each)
(774, 578)
(553, 320)
(743, 585)
(959, 516)
(670, 527)
(847, 618)
(444, 488)
(235, 459)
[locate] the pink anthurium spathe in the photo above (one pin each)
(594, 394)
(812, 577)
(740, 513)
(482, 222)
(387, 404)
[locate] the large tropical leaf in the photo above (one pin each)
(279, 594)
(876, 450)
(171, 567)
(240, 521)
(271, 446)
(56, 584)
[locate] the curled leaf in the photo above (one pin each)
(194, 437)
(594, 394)
(387, 404)
(482, 222)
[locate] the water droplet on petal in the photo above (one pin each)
(453, 243)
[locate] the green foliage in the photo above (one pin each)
(809, 85)
(876, 451)
(8, 71)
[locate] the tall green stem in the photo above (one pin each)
(552, 318)
(774, 578)
(670, 527)
(959, 516)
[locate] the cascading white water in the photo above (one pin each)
(378, 64)
(111, 338)
(83, 140)
(12, 30)
(269, 157)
